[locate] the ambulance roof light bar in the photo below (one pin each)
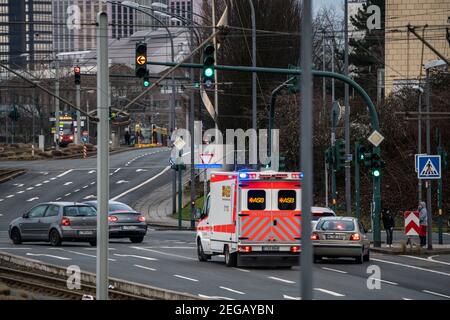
(269, 175)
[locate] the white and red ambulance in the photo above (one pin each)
(252, 218)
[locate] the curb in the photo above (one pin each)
(159, 226)
(118, 284)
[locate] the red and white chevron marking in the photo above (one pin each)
(412, 227)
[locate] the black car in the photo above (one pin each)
(124, 221)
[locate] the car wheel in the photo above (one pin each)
(367, 256)
(15, 236)
(93, 243)
(317, 259)
(230, 258)
(360, 258)
(55, 238)
(136, 239)
(201, 255)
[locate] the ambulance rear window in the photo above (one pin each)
(256, 199)
(287, 200)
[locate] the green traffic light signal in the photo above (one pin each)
(146, 83)
(208, 72)
(376, 172)
(208, 65)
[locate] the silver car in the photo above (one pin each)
(55, 222)
(124, 221)
(340, 237)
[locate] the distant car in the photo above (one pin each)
(340, 237)
(319, 212)
(55, 222)
(124, 221)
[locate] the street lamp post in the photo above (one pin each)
(254, 113)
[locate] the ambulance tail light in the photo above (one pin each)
(245, 249)
(295, 249)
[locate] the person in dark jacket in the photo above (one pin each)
(389, 223)
(127, 138)
(423, 221)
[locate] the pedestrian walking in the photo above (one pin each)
(389, 224)
(127, 138)
(423, 222)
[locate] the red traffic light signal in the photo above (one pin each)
(77, 72)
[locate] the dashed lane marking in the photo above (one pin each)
(57, 199)
(243, 270)
(10, 196)
(134, 256)
(89, 197)
(385, 281)
(46, 181)
(80, 253)
(214, 297)
(64, 173)
(336, 294)
(231, 290)
(429, 259)
(406, 299)
(68, 183)
(7, 248)
(32, 199)
(290, 298)
(84, 187)
(67, 194)
(334, 270)
(282, 280)
(30, 188)
(38, 185)
(186, 278)
(20, 192)
(47, 255)
(164, 253)
(144, 267)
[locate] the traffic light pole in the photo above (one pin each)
(77, 103)
(333, 164)
(317, 73)
(357, 194)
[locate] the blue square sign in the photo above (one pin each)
(428, 167)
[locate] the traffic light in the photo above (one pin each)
(77, 73)
(377, 163)
(208, 66)
(146, 83)
(339, 156)
(141, 59)
(361, 154)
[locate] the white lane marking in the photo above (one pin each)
(429, 259)
(19, 192)
(79, 253)
(134, 256)
(47, 255)
(2, 200)
(93, 182)
(122, 181)
(52, 178)
(92, 171)
(334, 270)
(57, 199)
(436, 294)
(89, 197)
(282, 280)
(183, 277)
(15, 249)
(1, 214)
(18, 185)
(117, 170)
(168, 247)
(46, 181)
(232, 290)
(141, 170)
(84, 187)
(30, 188)
(67, 194)
(336, 294)
(214, 297)
(32, 199)
(406, 299)
(76, 190)
(412, 267)
(38, 185)
(164, 253)
(140, 185)
(243, 270)
(68, 183)
(64, 173)
(143, 267)
(385, 281)
(10, 196)
(95, 249)
(290, 298)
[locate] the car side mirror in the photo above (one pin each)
(25, 215)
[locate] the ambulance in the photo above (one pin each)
(252, 219)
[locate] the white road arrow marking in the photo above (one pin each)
(122, 181)
(32, 199)
(134, 256)
(67, 183)
(47, 255)
(290, 298)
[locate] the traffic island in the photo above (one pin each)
(415, 250)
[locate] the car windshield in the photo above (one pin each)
(336, 225)
(79, 211)
(317, 215)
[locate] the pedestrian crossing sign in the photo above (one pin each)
(428, 167)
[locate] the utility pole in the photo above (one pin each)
(306, 151)
(216, 93)
(191, 127)
(348, 182)
(254, 110)
(419, 142)
(324, 88)
(78, 102)
(56, 135)
(103, 157)
(334, 117)
(357, 183)
(333, 96)
(428, 183)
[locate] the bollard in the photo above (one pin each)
(32, 150)
(84, 151)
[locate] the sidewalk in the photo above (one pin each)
(399, 248)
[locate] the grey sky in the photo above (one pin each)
(335, 4)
